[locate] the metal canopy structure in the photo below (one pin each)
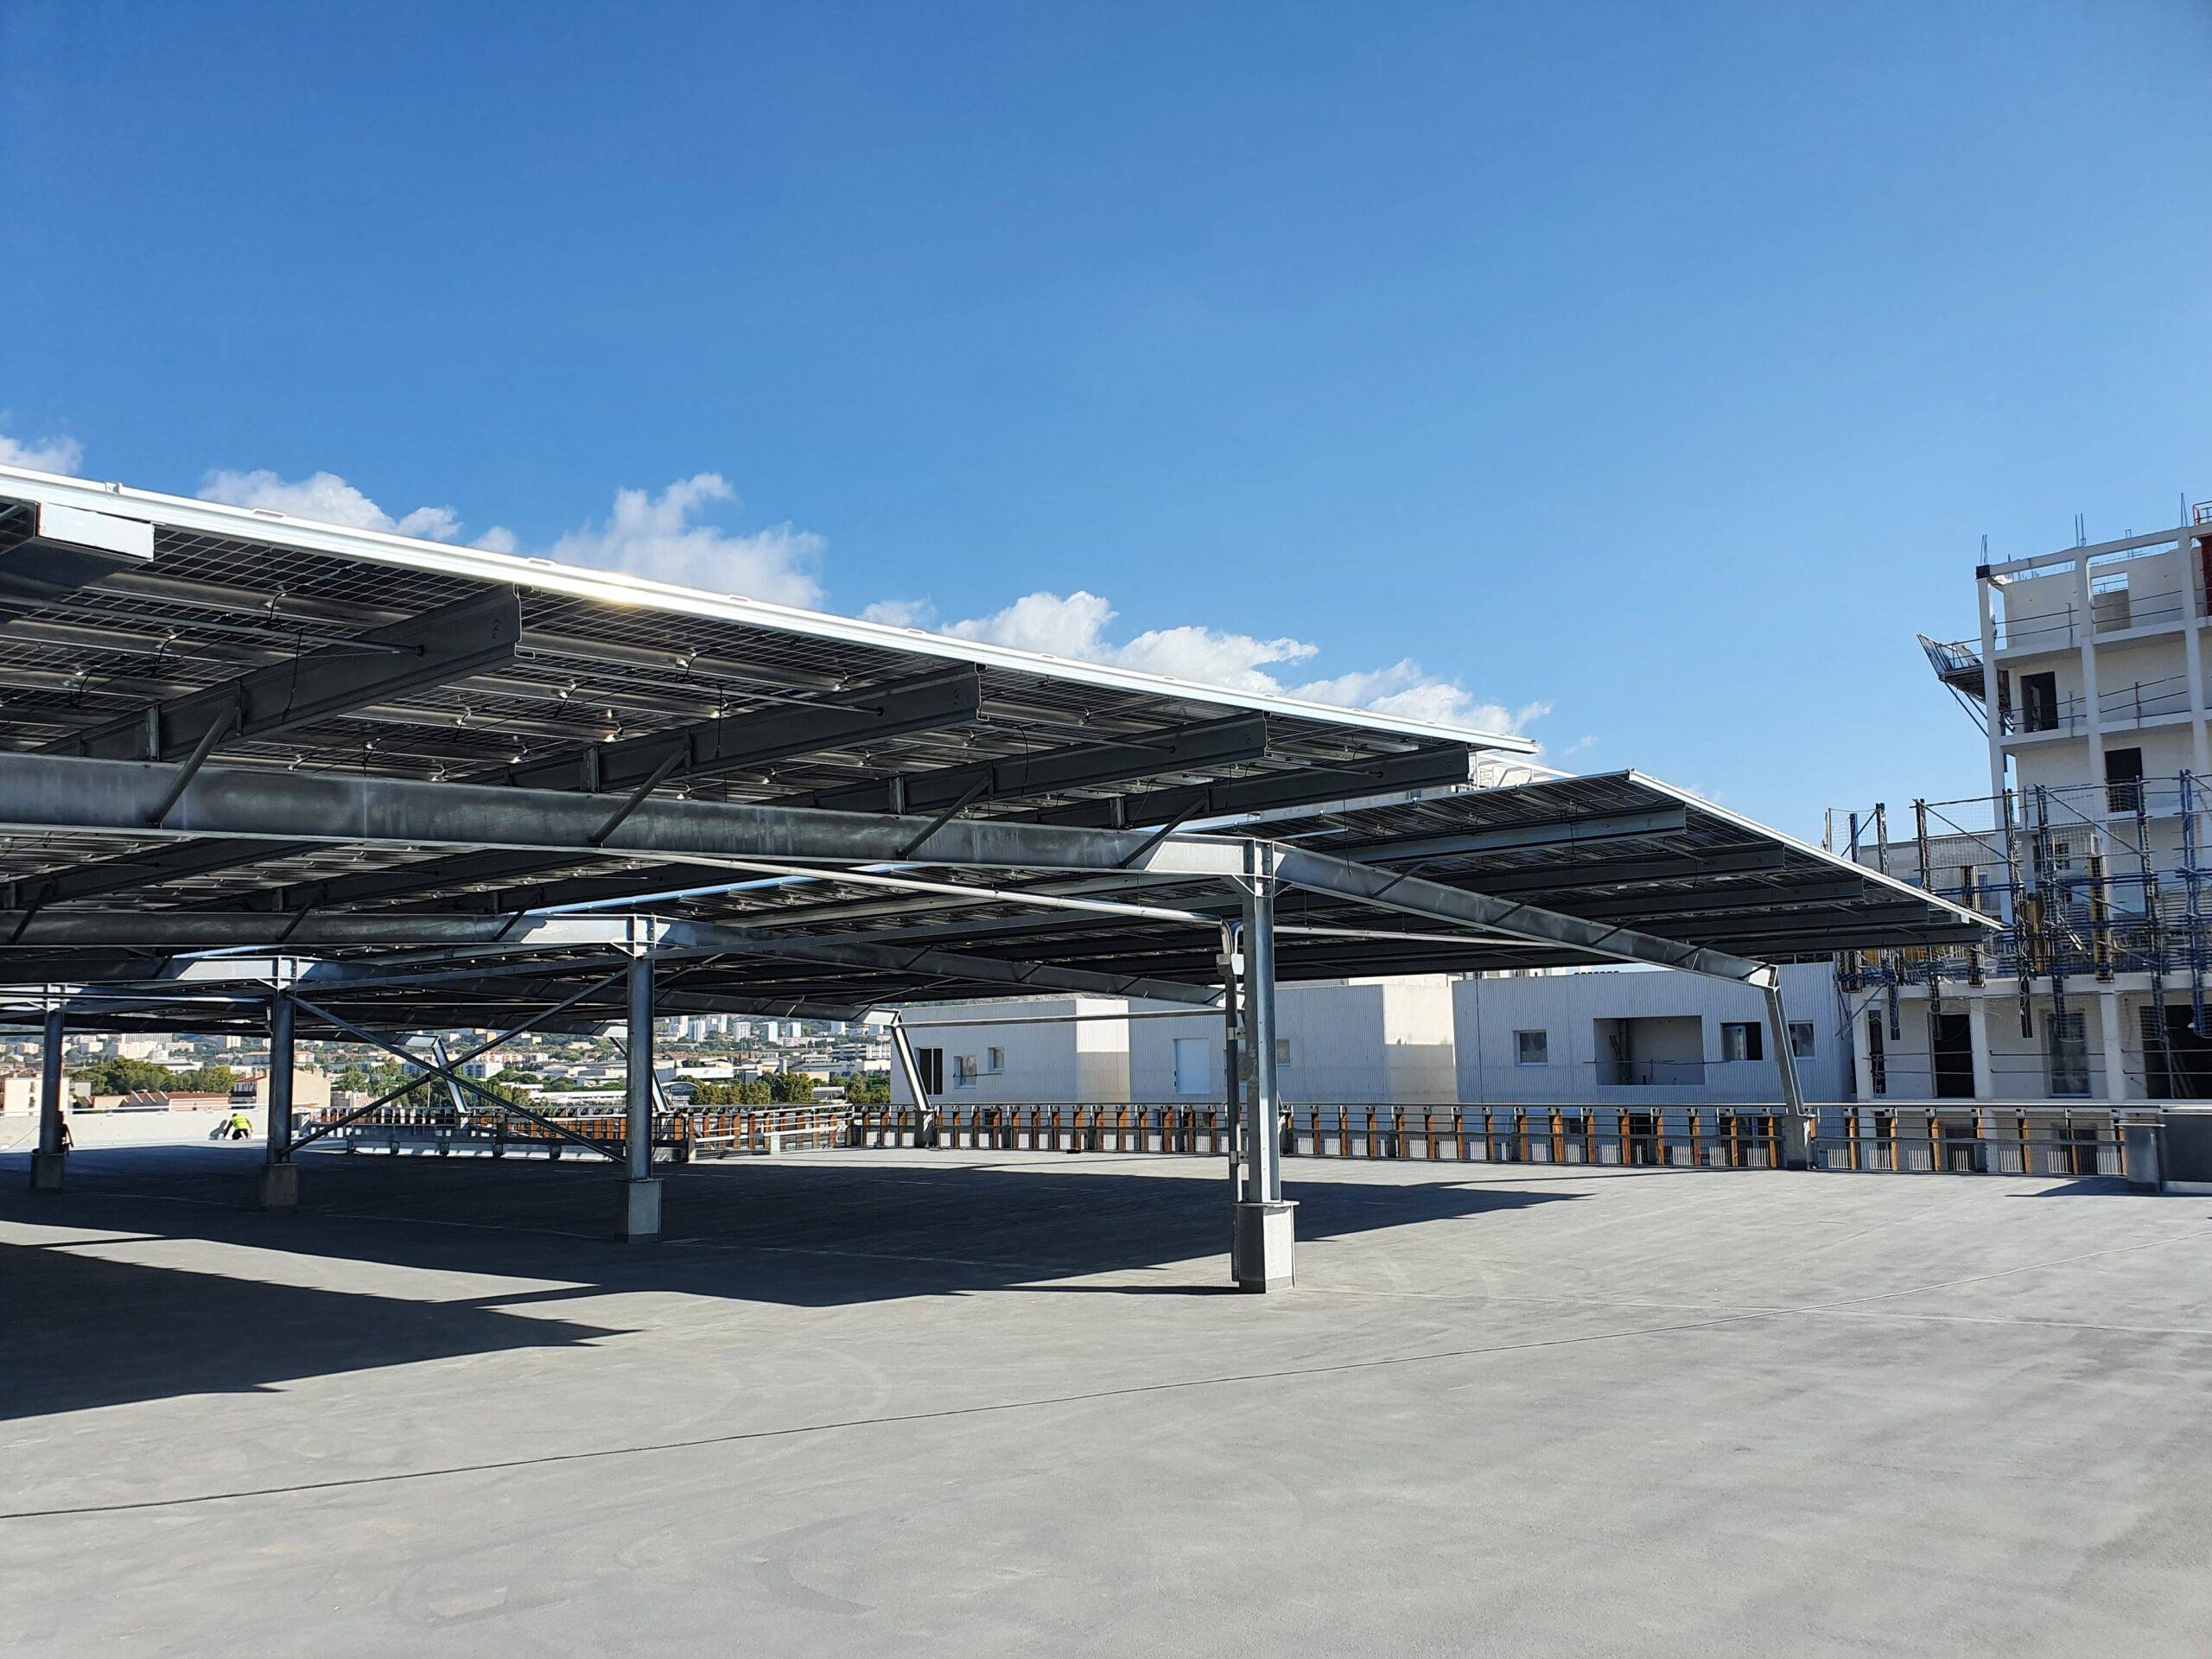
(409, 785)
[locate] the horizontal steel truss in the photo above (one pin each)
(48, 793)
(923, 702)
(439, 646)
(489, 935)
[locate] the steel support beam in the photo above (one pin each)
(1413, 896)
(923, 702)
(1513, 838)
(444, 1069)
(51, 793)
(641, 1194)
(1447, 764)
(1232, 1033)
(448, 644)
(1797, 1144)
(1655, 907)
(1263, 1226)
(47, 1161)
(834, 720)
(204, 929)
(902, 1044)
(1618, 873)
(1182, 748)
(280, 1176)
(69, 548)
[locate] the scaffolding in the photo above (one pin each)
(2090, 884)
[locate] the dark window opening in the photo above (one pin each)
(2124, 779)
(2038, 702)
(2177, 1059)
(1740, 1041)
(1951, 1039)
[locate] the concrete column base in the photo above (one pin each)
(46, 1170)
(1796, 1140)
(278, 1187)
(1262, 1248)
(641, 1210)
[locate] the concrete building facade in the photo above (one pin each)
(1020, 1050)
(1635, 1040)
(1638, 1040)
(1356, 1042)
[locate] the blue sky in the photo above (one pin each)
(1645, 374)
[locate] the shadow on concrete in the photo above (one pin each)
(2101, 1186)
(87, 1330)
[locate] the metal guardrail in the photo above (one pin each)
(1706, 1138)
(1678, 1137)
(1988, 1143)
(681, 1135)
(2011, 1142)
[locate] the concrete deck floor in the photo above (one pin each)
(877, 1403)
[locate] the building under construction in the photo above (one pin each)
(2088, 682)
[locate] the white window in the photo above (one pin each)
(1800, 1039)
(1532, 1048)
(1740, 1041)
(963, 1071)
(1193, 1067)
(994, 1059)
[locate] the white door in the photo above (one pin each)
(1193, 1067)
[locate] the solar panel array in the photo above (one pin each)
(597, 667)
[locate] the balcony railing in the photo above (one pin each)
(2062, 628)
(1651, 1074)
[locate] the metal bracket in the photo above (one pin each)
(217, 729)
(653, 781)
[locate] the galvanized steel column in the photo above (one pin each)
(640, 1191)
(47, 1162)
(280, 1177)
(1264, 1231)
(1232, 1085)
(1785, 1057)
(1262, 1114)
(281, 1010)
(638, 1129)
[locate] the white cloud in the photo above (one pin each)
(1076, 626)
(654, 536)
(899, 613)
(1406, 689)
(646, 534)
(328, 499)
(42, 455)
